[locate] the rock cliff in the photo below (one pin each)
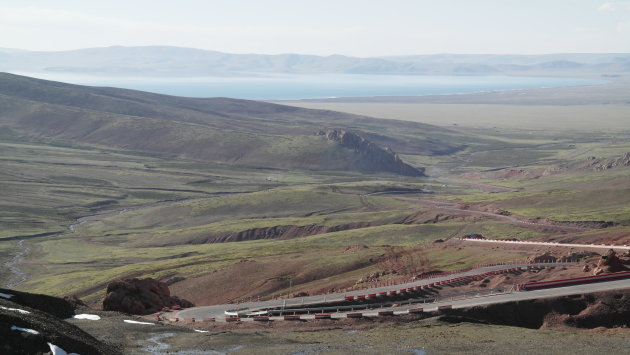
(370, 157)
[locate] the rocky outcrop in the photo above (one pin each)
(544, 258)
(371, 157)
(140, 296)
(609, 263)
(553, 170)
(602, 164)
(282, 232)
(355, 248)
(29, 322)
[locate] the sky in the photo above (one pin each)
(360, 28)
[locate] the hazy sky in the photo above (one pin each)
(323, 27)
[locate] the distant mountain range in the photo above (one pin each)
(176, 61)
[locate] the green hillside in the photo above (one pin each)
(218, 130)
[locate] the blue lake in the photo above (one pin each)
(288, 86)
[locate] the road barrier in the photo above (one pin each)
(339, 308)
(570, 245)
(444, 307)
(323, 316)
(232, 319)
(261, 319)
(572, 281)
(415, 310)
(382, 295)
(386, 312)
(354, 315)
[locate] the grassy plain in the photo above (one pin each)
(540, 120)
(148, 216)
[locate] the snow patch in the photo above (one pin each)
(201, 331)
(15, 310)
(58, 351)
(25, 330)
(136, 322)
(86, 316)
(6, 295)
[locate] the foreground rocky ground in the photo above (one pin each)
(580, 324)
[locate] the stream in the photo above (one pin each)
(18, 276)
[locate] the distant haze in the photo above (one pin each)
(350, 27)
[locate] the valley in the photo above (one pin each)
(90, 208)
(229, 201)
(314, 177)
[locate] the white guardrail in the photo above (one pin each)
(524, 242)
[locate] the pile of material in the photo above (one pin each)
(140, 296)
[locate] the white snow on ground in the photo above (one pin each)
(136, 322)
(200, 331)
(6, 295)
(58, 351)
(24, 330)
(16, 310)
(86, 316)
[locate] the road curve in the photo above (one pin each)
(218, 311)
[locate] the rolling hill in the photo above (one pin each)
(215, 130)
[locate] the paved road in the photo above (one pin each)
(500, 298)
(218, 311)
(548, 244)
(529, 295)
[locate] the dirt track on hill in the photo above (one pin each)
(452, 206)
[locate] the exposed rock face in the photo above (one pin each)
(609, 263)
(553, 171)
(44, 316)
(604, 309)
(354, 248)
(282, 232)
(372, 158)
(546, 257)
(140, 296)
(601, 164)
